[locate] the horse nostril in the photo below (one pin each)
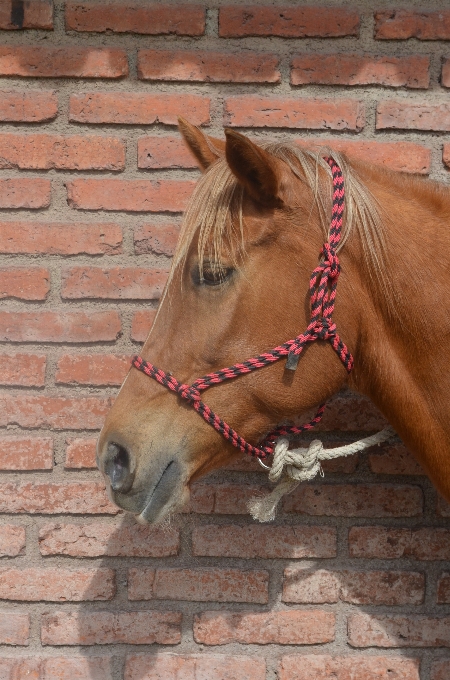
(117, 467)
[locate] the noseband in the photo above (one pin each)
(322, 288)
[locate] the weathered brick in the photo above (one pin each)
(141, 324)
(391, 543)
(26, 453)
(34, 106)
(208, 66)
(54, 238)
(58, 152)
(119, 283)
(301, 585)
(98, 539)
(362, 500)
(48, 326)
(367, 630)
(92, 369)
(25, 193)
(57, 585)
(80, 453)
(14, 629)
(401, 24)
(82, 498)
(159, 239)
(353, 412)
(269, 542)
(24, 283)
(61, 413)
(63, 62)
(262, 628)
(36, 14)
(201, 585)
(440, 670)
(446, 155)
(288, 21)
(136, 108)
(445, 77)
(394, 460)
(359, 69)
(223, 499)
(110, 628)
(26, 370)
(443, 508)
(194, 667)
(443, 589)
(131, 17)
(164, 152)
(56, 668)
(129, 195)
(324, 667)
(314, 114)
(12, 540)
(407, 115)
(400, 156)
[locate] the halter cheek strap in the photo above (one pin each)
(322, 288)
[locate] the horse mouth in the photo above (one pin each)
(161, 495)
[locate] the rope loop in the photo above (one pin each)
(324, 329)
(330, 261)
(189, 392)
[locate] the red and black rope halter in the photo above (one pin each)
(322, 288)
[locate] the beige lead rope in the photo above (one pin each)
(302, 465)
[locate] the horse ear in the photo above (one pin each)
(205, 149)
(255, 168)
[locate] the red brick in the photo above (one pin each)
(201, 585)
(443, 589)
(48, 326)
(288, 21)
(92, 369)
(208, 66)
(47, 152)
(194, 667)
(164, 152)
(362, 500)
(56, 668)
(443, 508)
(119, 283)
(141, 324)
(137, 108)
(54, 238)
(132, 17)
(440, 670)
(446, 155)
(14, 629)
(392, 115)
(57, 585)
(36, 14)
(27, 370)
(268, 542)
(391, 543)
(76, 499)
(367, 630)
(98, 539)
(305, 586)
(358, 69)
(401, 24)
(314, 114)
(25, 193)
(80, 453)
(34, 106)
(130, 195)
(63, 62)
(445, 78)
(401, 156)
(111, 627)
(394, 460)
(159, 239)
(263, 628)
(26, 453)
(223, 499)
(61, 413)
(12, 540)
(324, 667)
(24, 283)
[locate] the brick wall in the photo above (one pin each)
(352, 581)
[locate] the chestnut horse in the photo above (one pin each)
(238, 287)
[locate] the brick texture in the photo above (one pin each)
(24, 284)
(56, 585)
(159, 239)
(12, 540)
(80, 453)
(47, 326)
(130, 283)
(19, 453)
(194, 667)
(431, 543)
(57, 668)
(77, 498)
(34, 106)
(37, 14)
(26, 370)
(323, 667)
(142, 322)
(401, 24)
(14, 628)
(411, 116)
(129, 195)
(67, 62)
(53, 238)
(92, 369)
(64, 413)
(440, 670)
(25, 193)
(365, 630)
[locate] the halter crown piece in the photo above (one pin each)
(322, 288)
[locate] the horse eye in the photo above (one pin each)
(212, 275)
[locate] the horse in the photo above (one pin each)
(238, 286)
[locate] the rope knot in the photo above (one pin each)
(189, 393)
(330, 261)
(324, 329)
